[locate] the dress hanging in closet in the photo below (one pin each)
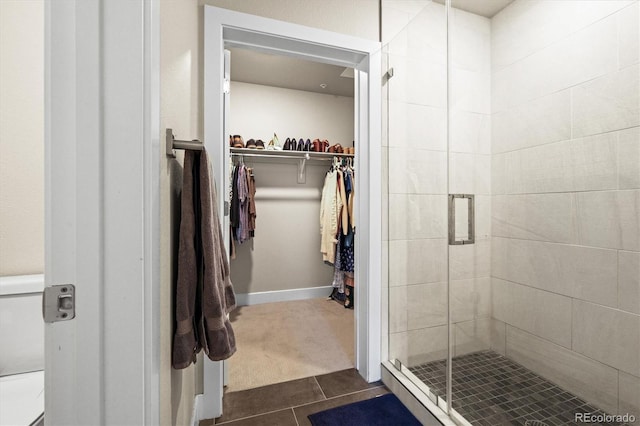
(337, 228)
(243, 206)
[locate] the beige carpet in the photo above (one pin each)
(284, 341)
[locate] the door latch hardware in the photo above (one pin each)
(59, 303)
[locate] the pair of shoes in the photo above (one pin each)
(350, 150)
(238, 142)
(348, 291)
(337, 148)
(253, 144)
(318, 146)
(288, 145)
(304, 146)
(274, 144)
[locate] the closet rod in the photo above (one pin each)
(173, 143)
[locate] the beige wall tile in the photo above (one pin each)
(578, 374)
(580, 272)
(539, 312)
(559, 66)
(524, 28)
(426, 305)
(397, 309)
(608, 103)
(413, 217)
(470, 299)
(629, 158)
(470, 90)
(471, 336)
(417, 126)
(427, 344)
(609, 219)
(418, 81)
(630, 396)
(470, 261)
(417, 171)
(629, 281)
(583, 164)
(417, 261)
(399, 347)
(500, 215)
(542, 217)
(469, 173)
(608, 335)
(629, 37)
(499, 177)
(520, 127)
(498, 336)
(470, 132)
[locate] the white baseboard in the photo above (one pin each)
(197, 410)
(246, 299)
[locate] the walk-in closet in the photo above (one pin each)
(290, 224)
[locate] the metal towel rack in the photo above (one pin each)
(173, 143)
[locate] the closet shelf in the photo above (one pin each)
(302, 157)
(268, 155)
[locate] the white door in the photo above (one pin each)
(101, 171)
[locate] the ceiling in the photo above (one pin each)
(486, 8)
(249, 66)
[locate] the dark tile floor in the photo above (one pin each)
(490, 389)
(290, 403)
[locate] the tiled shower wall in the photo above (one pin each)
(565, 271)
(544, 130)
(417, 179)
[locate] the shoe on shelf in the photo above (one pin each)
(251, 144)
(275, 142)
(337, 149)
(287, 145)
(301, 145)
(308, 146)
(259, 144)
(237, 141)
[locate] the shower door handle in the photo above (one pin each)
(471, 229)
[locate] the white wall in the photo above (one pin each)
(21, 137)
(181, 108)
(258, 111)
(285, 254)
(566, 195)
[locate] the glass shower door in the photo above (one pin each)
(416, 153)
(469, 189)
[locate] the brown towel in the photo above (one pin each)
(204, 294)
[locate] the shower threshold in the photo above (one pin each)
(490, 389)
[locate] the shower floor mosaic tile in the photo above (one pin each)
(490, 389)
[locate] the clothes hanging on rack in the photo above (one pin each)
(243, 207)
(337, 228)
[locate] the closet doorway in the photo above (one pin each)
(292, 122)
(231, 30)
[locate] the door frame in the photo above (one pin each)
(102, 187)
(225, 28)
